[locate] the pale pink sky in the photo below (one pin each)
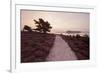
(60, 21)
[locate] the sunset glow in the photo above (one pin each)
(60, 21)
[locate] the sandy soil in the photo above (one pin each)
(61, 51)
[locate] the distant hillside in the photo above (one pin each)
(73, 31)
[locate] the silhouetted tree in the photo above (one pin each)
(42, 26)
(86, 39)
(78, 36)
(27, 28)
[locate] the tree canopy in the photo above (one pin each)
(42, 26)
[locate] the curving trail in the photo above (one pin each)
(61, 51)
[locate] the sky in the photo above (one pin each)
(60, 21)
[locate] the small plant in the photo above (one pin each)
(78, 36)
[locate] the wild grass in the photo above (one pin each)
(35, 46)
(79, 44)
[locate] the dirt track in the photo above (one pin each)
(61, 51)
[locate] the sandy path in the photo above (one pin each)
(61, 51)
